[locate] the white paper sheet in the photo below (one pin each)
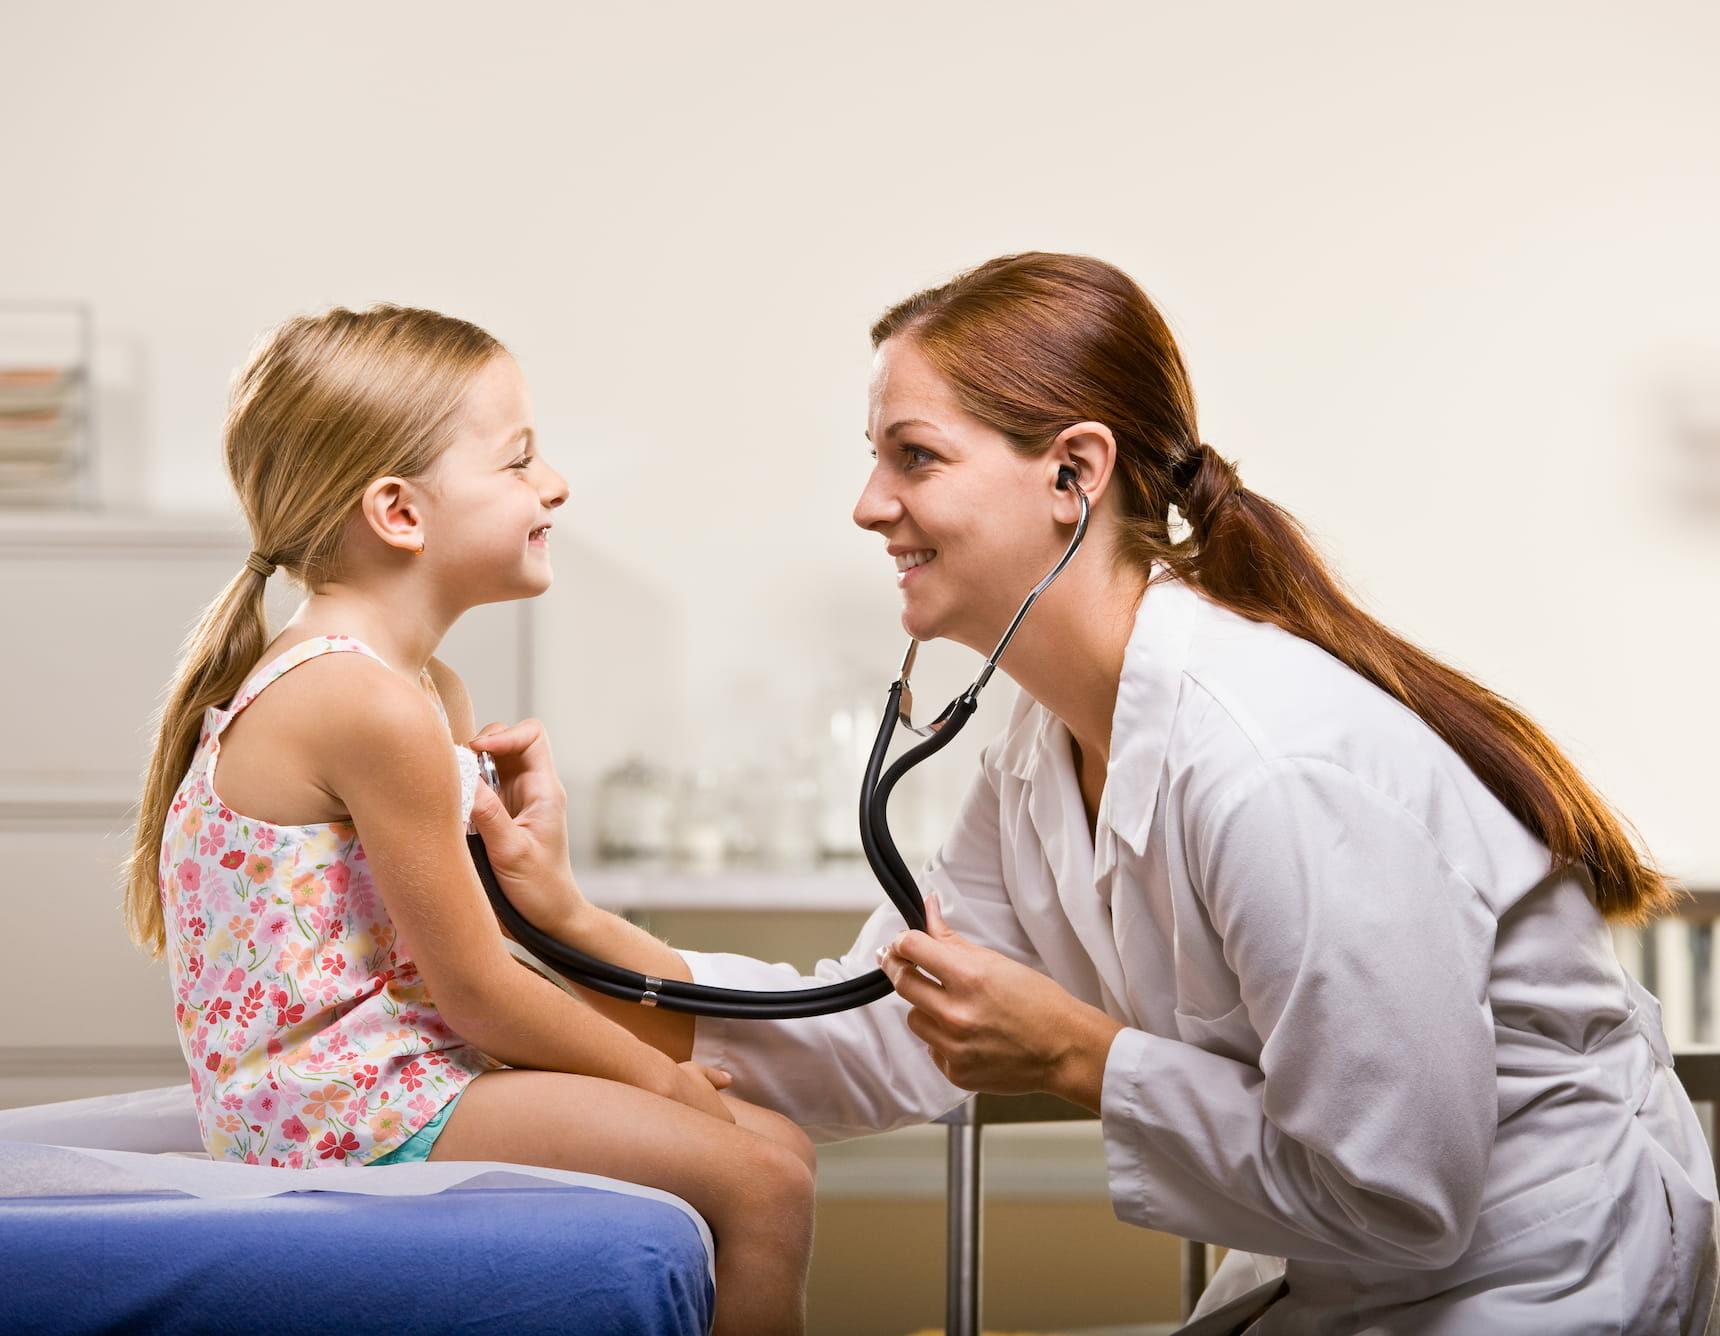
(116, 1145)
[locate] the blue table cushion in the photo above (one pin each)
(519, 1261)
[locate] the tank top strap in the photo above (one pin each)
(435, 695)
(284, 663)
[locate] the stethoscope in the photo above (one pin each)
(880, 849)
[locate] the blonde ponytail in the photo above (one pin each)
(227, 642)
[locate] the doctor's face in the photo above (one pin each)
(963, 514)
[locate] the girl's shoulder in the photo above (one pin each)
(456, 700)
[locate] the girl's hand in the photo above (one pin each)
(696, 1086)
(528, 849)
(992, 1023)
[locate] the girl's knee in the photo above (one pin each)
(781, 1177)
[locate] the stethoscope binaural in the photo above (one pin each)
(880, 850)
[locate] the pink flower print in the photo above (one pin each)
(265, 838)
(422, 1104)
(232, 1103)
(293, 1128)
(336, 875)
(232, 858)
(193, 821)
(274, 929)
(198, 928)
(412, 1075)
(273, 1048)
(193, 903)
(212, 839)
(366, 1076)
(294, 957)
(336, 1147)
(296, 1160)
(264, 1103)
(198, 1044)
(259, 868)
(188, 875)
(326, 1102)
(334, 962)
(256, 903)
(234, 981)
(387, 1126)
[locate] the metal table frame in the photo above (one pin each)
(1698, 1069)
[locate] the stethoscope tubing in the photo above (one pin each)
(875, 841)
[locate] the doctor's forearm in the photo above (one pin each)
(610, 937)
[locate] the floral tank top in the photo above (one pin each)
(310, 1035)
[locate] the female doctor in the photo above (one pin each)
(1316, 924)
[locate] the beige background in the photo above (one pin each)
(1447, 278)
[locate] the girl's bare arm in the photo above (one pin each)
(388, 757)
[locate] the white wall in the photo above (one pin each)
(1442, 273)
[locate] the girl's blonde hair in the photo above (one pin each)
(326, 405)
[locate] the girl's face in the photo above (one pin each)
(492, 494)
(966, 517)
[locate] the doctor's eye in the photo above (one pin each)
(914, 456)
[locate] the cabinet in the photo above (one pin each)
(93, 607)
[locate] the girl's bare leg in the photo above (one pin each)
(749, 1179)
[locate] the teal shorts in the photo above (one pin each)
(416, 1148)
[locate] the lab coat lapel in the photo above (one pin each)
(1054, 808)
(1141, 722)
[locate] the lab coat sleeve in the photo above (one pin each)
(863, 1070)
(1362, 959)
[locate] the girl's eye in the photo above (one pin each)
(522, 463)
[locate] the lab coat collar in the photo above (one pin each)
(1140, 723)
(1147, 697)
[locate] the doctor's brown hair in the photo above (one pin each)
(326, 405)
(1034, 343)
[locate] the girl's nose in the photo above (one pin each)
(554, 488)
(878, 504)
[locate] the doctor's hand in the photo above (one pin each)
(525, 827)
(993, 1024)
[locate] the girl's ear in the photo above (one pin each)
(390, 506)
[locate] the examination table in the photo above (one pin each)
(111, 1219)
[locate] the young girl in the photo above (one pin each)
(344, 992)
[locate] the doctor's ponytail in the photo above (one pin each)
(1034, 343)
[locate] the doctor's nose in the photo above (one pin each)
(878, 504)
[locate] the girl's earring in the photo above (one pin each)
(420, 550)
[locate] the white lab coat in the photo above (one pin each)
(1369, 1031)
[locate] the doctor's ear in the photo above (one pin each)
(390, 508)
(1083, 457)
